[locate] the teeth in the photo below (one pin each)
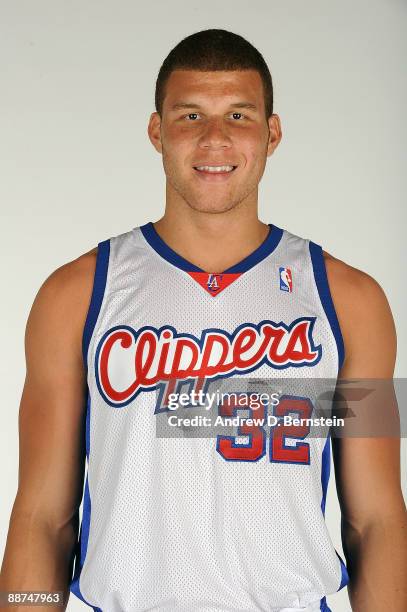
(215, 168)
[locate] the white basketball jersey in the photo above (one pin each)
(194, 516)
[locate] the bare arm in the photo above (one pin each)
(43, 526)
(367, 469)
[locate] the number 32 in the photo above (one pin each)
(255, 448)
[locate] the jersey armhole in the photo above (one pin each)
(321, 280)
(98, 291)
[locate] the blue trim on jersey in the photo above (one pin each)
(98, 291)
(99, 284)
(157, 243)
(321, 280)
(325, 471)
(344, 572)
(324, 606)
(82, 544)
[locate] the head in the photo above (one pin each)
(214, 108)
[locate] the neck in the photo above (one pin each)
(212, 241)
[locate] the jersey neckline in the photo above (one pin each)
(268, 245)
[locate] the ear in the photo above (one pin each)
(154, 131)
(275, 134)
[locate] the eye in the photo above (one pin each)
(237, 115)
(191, 116)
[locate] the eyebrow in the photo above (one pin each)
(181, 105)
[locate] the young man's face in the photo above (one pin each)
(212, 120)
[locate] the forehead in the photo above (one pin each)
(215, 86)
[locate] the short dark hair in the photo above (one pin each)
(214, 49)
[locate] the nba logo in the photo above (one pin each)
(286, 280)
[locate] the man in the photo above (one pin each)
(206, 295)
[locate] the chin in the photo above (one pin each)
(211, 207)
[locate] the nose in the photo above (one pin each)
(215, 135)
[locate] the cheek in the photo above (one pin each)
(253, 147)
(255, 156)
(180, 137)
(174, 156)
(178, 148)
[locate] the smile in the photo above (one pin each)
(215, 169)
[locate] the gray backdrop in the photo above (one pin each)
(77, 167)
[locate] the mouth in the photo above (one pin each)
(215, 172)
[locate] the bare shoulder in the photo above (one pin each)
(75, 274)
(362, 308)
(352, 285)
(62, 301)
(72, 282)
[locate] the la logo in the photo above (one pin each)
(214, 282)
